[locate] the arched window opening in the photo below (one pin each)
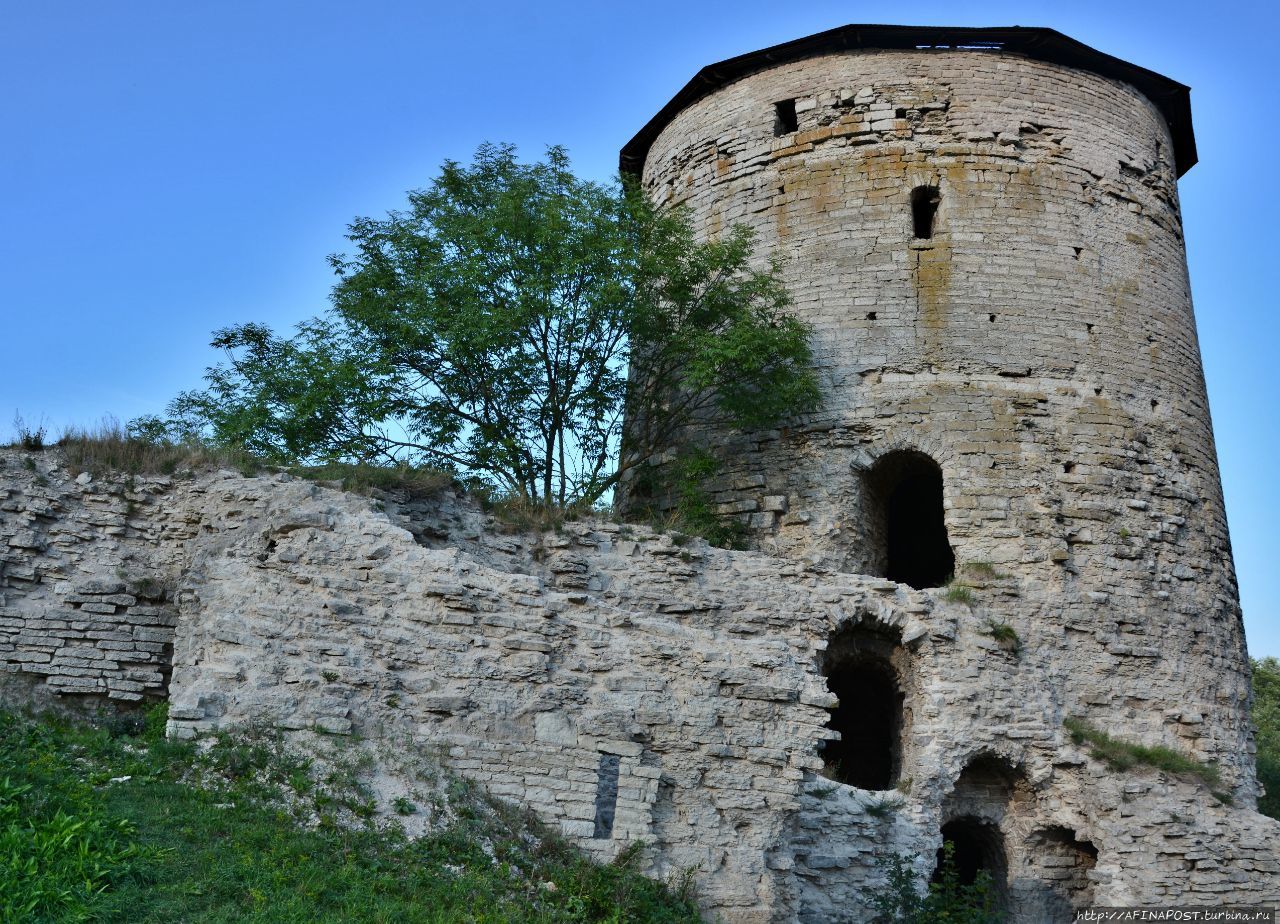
(924, 206)
(863, 669)
(906, 521)
(990, 795)
(1057, 867)
(977, 847)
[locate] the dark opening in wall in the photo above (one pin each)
(606, 795)
(924, 206)
(784, 117)
(861, 671)
(1061, 861)
(907, 520)
(978, 847)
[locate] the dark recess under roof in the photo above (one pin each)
(1173, 99)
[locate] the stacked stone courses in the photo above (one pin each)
(520, 660)
(1038, 347)
(84, 609)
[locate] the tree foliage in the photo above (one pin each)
(898, 900)
(1266, 717)
(499, 326)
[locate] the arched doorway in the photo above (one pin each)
(865, 669)
(906, 520)
(977, 847)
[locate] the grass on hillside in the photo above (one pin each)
(96, 826)
(109, 447)
(1124, 755)
(363, 478)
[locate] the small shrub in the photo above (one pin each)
(1125, 755)
(693, 514)
(958, 592)
(884, 806)
(30, 437)
(1004, 635)
(1266, 717)
(900, 901)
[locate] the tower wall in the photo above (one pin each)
(1040, 347)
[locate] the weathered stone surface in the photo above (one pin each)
(1040, 347)
(700, 672)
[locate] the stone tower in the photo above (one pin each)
(982, 226)
(1001, 537)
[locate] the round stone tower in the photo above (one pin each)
(982, 227)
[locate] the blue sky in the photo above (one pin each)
(170, 168)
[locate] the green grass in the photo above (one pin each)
(1125, 755)
(108, 447)
(1004, 635)
(221, 834)
(363, 478)
(958, 592)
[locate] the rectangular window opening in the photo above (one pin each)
(924, 206)
(784, 118)
(606, 795)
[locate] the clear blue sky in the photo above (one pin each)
(172, 167)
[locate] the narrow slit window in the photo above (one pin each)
(784, 118)
(606, 795)
(924, 206)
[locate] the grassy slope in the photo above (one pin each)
(160, 848)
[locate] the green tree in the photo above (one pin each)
(499, 326)
(1266, 717)
(898, 899)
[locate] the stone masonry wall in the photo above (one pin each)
(528, 659)
(86, 585)
(540, 665)
(1040, 347)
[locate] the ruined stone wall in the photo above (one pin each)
(87, 575)
(605, 670)
(1040, 347)
(533, 661)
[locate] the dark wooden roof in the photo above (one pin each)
(1170, 97)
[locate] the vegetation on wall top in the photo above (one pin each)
(497, 329)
